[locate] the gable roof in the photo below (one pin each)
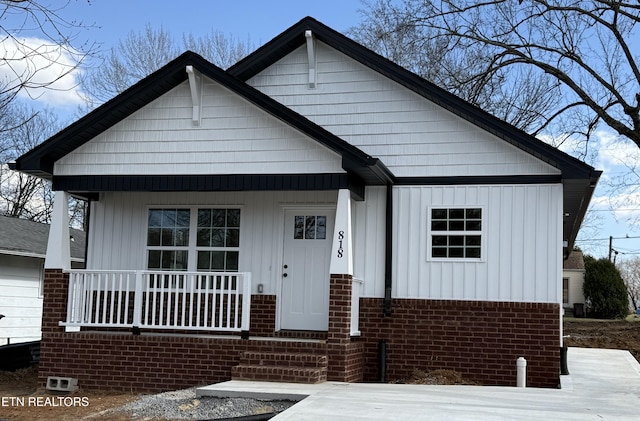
(294, 37)
(40, 160)
(575, 261)
(578, 179)
(20, 237)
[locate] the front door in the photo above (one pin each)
(305, 269)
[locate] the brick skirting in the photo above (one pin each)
(480, 340)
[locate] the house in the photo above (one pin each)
(23, 246)
(572, 282)
(288, 218)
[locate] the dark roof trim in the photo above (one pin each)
(87, 185)
(39, 161)
(294, 37)
(478, 180)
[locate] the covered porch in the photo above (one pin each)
(219, 309)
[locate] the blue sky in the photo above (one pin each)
(112, 20)
(262, 19)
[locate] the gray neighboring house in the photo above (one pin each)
(23, 246)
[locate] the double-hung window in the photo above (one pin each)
(456, 233)
(193, 239)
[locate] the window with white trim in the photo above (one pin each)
(193, 239)
(456, 233)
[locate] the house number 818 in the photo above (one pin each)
(340, 238)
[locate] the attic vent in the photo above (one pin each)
(311, 54)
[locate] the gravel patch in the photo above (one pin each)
(184, 405)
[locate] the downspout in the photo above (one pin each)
(388, 252)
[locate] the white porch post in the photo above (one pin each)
(58, 245)
(341, 251)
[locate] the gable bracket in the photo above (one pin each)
(311, 55)
(195, 85)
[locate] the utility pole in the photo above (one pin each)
(610, 246)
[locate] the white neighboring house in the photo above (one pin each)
(23, 246)
(572, 283)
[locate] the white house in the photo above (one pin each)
(23, 245)
(572, 284)
(320, 197)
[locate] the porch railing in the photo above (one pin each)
(209, 301)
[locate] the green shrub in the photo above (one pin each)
(604, 290)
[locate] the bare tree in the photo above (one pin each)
(630, 271)
(577, 53)
(142, 53)
(21, 195)
(40, 46)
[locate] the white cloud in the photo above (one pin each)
(51, 70)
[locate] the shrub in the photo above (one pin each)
(604, 290)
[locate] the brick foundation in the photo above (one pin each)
(481, 340)
(346, 355)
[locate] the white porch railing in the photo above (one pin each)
(211, 301)
(356, 291)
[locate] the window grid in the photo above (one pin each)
(456, 233)
(215, 245)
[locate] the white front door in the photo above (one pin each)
(305, 269)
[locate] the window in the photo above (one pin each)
(456, 233)
(565, 290)
(218, 240)
(172, 245)
(310, 227)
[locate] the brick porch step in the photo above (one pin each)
(281, 367)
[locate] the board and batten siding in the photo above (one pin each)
(20, 299)
(522, 244)
(413, 136)
(234, 137)
(117, 236)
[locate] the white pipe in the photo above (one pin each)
(521, 366)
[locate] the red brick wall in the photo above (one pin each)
(481, 340)
(345, 355)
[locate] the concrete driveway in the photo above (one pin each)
(603, 385)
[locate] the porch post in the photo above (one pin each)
(345, 356)
(58, 246)
(341, 251)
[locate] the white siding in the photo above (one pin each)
(117, 234)
(235, 137)
(522, 244)
(20, 299)
(411, 135)
(576, 282)
(369, 219)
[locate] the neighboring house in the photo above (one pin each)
(319, 202)
(572, 283)
(23, 245)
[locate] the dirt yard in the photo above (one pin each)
(21, 398)
(592, 333)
